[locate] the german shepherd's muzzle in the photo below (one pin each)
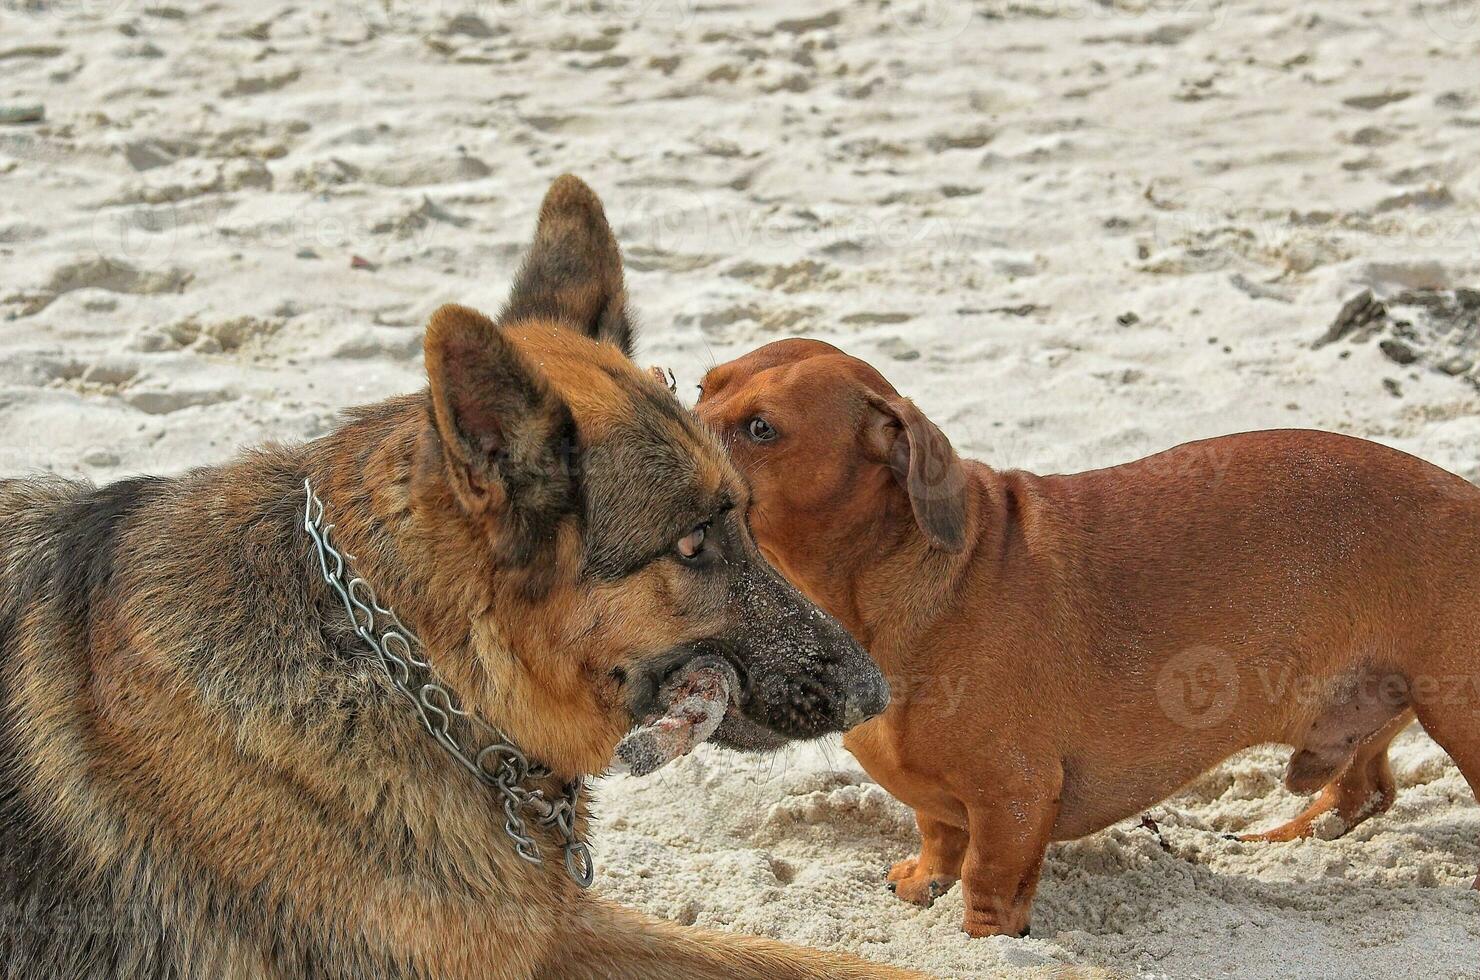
(213, 765)
(801, 674)
(665, 511)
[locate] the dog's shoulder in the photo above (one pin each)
(57, 546)
(27, 521)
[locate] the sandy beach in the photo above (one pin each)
(1075, 232)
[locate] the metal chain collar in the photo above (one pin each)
(500, 763)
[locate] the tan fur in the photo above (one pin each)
(204, 774)
(1066, 651)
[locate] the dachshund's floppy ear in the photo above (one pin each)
(927, 467)
(573, 272)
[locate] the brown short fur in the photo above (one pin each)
(203, 772)
(1068, 650)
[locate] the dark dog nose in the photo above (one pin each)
(807, 676)
(866, 697)
(859, 686)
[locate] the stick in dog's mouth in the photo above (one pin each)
(691, 704)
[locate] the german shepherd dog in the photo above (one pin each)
(210, 767)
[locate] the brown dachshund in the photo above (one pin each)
(1065, 651)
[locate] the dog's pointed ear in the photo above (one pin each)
(573, 272)
(899, 435)
(507, 435)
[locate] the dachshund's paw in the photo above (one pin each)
(902, 869)
(921, 890)
(979, 925)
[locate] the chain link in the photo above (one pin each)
(500, 763)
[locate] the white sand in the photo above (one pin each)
(175, 280)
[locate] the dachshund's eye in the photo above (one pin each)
(760, 430)
(691, 545)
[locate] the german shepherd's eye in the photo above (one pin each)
(691, 545)
(760, 430)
